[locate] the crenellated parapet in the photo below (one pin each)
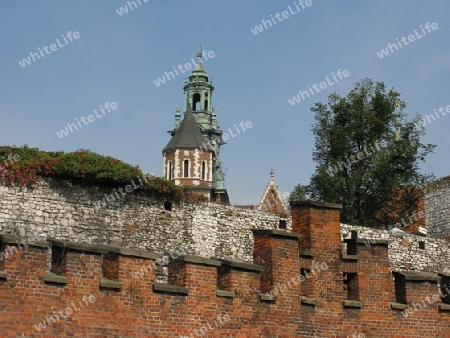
(298, 283)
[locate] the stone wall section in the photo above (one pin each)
(405, 251)
(437, 208)
(65, 211)
(117, 292)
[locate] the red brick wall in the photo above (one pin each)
(135, 307)
(390, 215)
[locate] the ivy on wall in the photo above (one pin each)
(23, 165)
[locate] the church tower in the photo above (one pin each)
(192, 156)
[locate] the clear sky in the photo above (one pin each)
(116, 58)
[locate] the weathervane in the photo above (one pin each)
(200, 54)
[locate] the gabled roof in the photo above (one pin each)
(272, 201)
(188, 135)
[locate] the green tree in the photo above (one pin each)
(298, 194)
(367, 155)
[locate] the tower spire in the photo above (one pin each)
(200, 54)
(206, 133)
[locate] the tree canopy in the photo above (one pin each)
(367, 155)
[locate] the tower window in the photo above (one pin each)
(196, 102)
(170, 171)
(203, 170)
(206, 101)
(186, 168)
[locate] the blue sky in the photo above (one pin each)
(117, 58)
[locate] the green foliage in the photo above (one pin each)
(365, 151)
(298, 194)
(93, 167)
(23, 166)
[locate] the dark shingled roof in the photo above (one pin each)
(188, 135)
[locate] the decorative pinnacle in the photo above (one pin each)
(200, 54)
(272, 173)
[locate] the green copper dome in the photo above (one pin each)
(198, 74)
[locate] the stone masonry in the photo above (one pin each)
(437, 206)
(64, 211)
(92, 272)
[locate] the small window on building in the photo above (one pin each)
(58, 260)
(306, 282)
(351, 284)
(186, 168)
(110, 266)
(203, 170)
(282, 224)
(351, 243)
(445, 288)
(422, 245)
(167, 205)
(400, 288)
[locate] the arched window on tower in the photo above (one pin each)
(203, 170)
(170, 171)
(196, 102)
(186, 168)
(206, 101)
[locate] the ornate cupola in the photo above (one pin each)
(191, 158)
